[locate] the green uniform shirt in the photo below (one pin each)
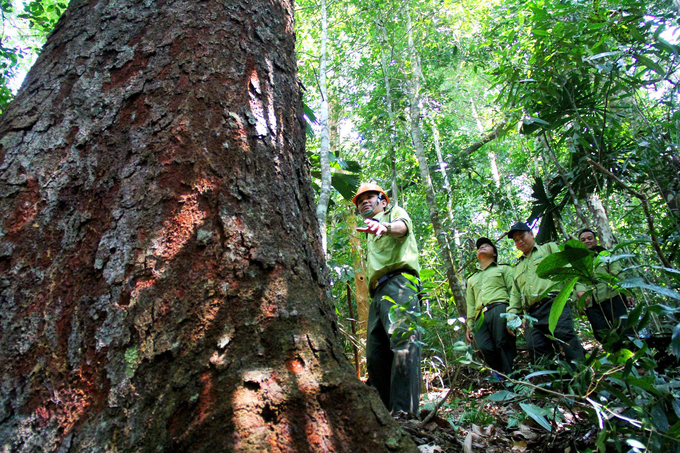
(602, 291)
(529, 287)
(386, 253)
(485, 287)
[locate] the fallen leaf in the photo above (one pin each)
(519, 445)
(525, 432)
(477, 430)
(467, 445)
(430, 449)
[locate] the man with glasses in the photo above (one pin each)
(392, 347)
(534, 296)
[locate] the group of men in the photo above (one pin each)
(496, 293)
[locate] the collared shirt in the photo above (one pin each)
(487, 286)
(386, 253)
(602, 291)
(529, 287)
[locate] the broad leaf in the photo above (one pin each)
(675, 342)
(638, 282)
(559, 303)
(503, 395)
(535, 413)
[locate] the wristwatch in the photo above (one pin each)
(388, 226)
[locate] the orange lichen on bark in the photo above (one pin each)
(206, 398)
(26, 207)
(296, 365)
(177, 231)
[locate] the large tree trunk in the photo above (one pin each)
(162, 285)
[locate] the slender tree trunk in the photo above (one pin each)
(492, 156)
(324, 148)
(600, 219)
(163, 287)
(363, 297)
(442, 168)
(449, 194)
(416, 136)
(390, 114)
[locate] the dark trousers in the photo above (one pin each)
(494, 342)
(392, 352)
(606, 316)
(540, 345)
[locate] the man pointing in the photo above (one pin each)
(392, 350)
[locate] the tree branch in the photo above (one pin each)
(644, 200)
(494, 134)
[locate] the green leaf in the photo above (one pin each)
(629, 243)
(574, 254)
(426, 273)
(533, 119)
(636, 444)
(559, 303)
(309, 113)
(675, 341)
(541, 373)
(649, 64)
(345, 184)
(659, 419)
(638, 282)
(503, 395)
(535, 413)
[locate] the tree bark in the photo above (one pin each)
(600, 219)
(162, 283)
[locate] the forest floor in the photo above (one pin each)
(469, 422)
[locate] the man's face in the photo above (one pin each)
(485, 250)
(524, 241)
(588, 239)
(369, 204)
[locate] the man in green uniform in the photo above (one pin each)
(605, 306)
(529, 295)
(392, 349)
(488, 292)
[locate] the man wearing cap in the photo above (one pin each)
(392, 349)
(488, 294)
(530, 295)
(605, 306)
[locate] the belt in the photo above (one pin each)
(490, 306)
(545, 300)
(392, 274)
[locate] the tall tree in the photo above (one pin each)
(324, 148)
(163, 286)
(419, 148)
